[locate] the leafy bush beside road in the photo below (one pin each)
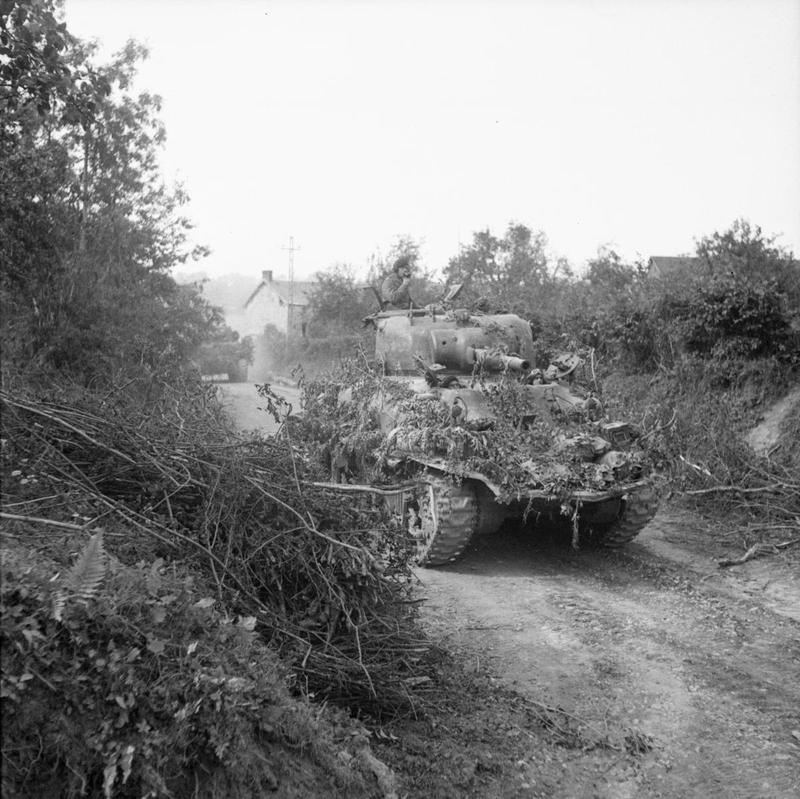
(224, 584)
(150, 686)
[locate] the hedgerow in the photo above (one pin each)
(148, 686)
(220, 561)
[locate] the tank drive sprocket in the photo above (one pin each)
(636, 511)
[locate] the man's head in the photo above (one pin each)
(402, 266)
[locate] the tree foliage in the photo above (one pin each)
(744, 252)
(224, 352)
(88, 229)
(337, 302)
(34, 71)
(744, 306)
(513, 272)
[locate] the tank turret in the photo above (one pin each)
(455, 340)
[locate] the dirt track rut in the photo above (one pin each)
(653, 645)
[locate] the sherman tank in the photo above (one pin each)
(458, 431)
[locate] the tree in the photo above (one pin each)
(609, 275)
(510, 272)
(34, 72)
(224, 352)
(337, 303)
(47, 89)
(749, 306)
(739, 309)
(598, 310)
(744, 252)
(88, 230)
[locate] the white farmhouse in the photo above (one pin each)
(282, 304)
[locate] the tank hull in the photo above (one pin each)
(468, 435)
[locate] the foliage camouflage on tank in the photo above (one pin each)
(454, 423)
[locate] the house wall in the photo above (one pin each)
(266, 308)
(270, 306)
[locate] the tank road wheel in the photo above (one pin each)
(441, 520)
(635, 512)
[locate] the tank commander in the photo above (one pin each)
(394, 290)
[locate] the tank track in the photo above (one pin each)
(490, 515)
(639, 509)
(445, 522)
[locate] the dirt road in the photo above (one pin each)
(655, 648)
(241, 400)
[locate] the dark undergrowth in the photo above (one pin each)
(180, 614)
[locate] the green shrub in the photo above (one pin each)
(736, 317)
(224, 352)
(148, 686)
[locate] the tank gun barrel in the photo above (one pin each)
(497, 361)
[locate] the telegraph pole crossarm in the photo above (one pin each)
(292, 249)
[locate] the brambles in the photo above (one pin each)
(220, 581)
(148, 687)
(696, 418)
(317, 573)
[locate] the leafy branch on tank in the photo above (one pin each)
(500, 448)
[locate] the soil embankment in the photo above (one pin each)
(766, 434)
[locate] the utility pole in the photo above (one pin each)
(291, 248)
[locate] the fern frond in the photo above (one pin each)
(87, 573)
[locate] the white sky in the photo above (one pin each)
(643, 125)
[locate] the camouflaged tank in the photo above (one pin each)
(470, 435)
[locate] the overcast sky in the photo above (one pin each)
(641, 125)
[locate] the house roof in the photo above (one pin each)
(663, 265)
(295, 292)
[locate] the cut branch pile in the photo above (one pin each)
(326, 580)
(759, 494)
(764, 494)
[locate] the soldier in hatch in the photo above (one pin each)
(394, 290)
